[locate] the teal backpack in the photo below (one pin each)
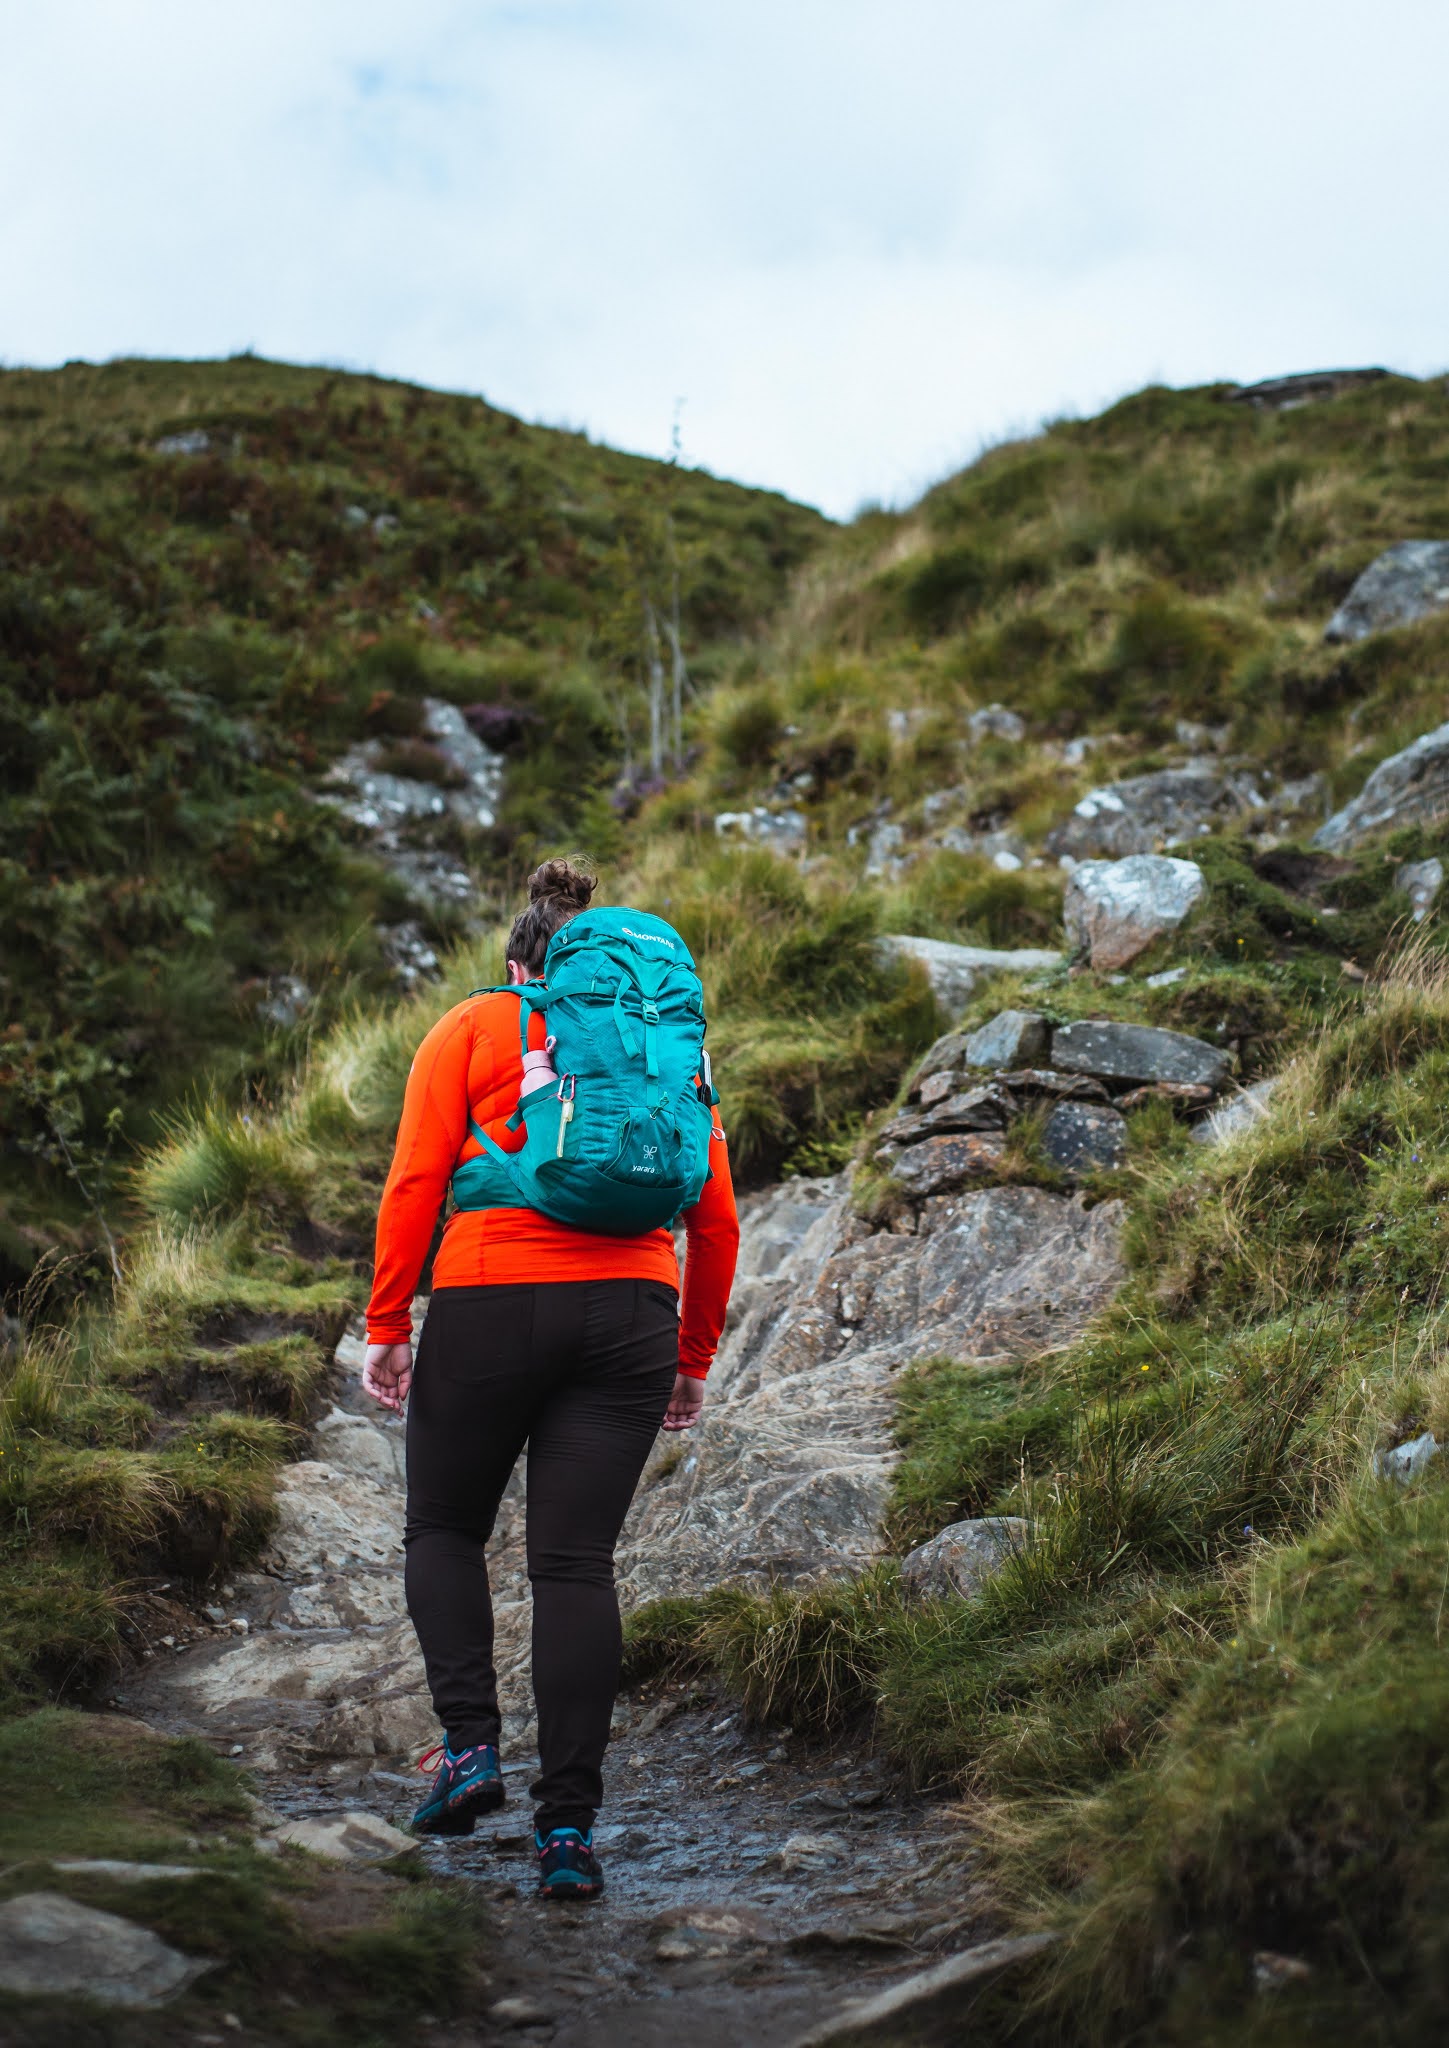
(619, 1140)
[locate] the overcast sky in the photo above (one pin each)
(857, 239)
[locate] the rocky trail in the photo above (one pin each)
(756, 1883)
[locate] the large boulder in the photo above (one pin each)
(380, 799)
(477, 770)
(1303, 387)
(1147, 812)
(955, 972)
(1115, 909)
(1138, 1052)
(1410, 788)
(995, 722)
(1407, 582)
(789, 1475)
(782, 831)
(400, 812)
(959, 1560)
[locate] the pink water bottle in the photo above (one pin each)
(538, 1068)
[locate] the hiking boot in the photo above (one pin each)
(468, 1783)
(567, 1865)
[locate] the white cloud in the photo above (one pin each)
(858, 238)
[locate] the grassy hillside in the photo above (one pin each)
(214, 577)
(1203, 1717)
(1174, 560)
(1203, 1722)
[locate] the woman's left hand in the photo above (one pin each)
(686, 1403)
(387, 1373)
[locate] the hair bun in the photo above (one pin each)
(561, 881)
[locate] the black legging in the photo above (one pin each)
(581, 1371)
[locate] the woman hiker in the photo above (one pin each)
(538, 1332)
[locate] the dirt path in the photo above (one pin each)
(749, 1891)
(754, 1883)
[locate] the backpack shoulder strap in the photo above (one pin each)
(532, 996)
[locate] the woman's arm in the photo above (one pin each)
(712, 1243)
(429, 1139)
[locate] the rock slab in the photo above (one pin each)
(1421, 881)
(1407, 1461)
(1410, 788)
(1138, 1052)
(959, 1559)
(357, 1837)
(789, 1476)
(896, 2007)
(955, 972)
(1115, 909)
(52, 1944)
(1147, 812)
(785, 1482)
(1239, 1113)
(1405, 584)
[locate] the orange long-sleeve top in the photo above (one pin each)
(470, 1066)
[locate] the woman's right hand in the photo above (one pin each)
(387, 1374)
(686, 1403)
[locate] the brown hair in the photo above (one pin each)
(557, 891)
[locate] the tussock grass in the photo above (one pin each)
(969, 1431)
(122, 1453)
(812, 1659)
(1321, 1837)
(217, 1162)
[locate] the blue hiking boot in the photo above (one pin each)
(468, 1783)
(567, 1865)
